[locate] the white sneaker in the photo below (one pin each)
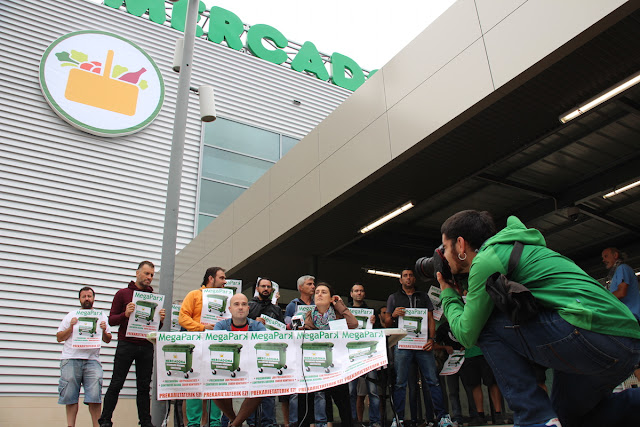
(445, 421)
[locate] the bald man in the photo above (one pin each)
(239, 308)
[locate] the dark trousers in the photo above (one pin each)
(340, 396)
(126, 354)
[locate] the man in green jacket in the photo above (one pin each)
(582, 331)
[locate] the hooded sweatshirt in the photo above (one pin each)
(554, 280)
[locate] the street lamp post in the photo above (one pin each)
(170, 230)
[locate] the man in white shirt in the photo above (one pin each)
(81, 366)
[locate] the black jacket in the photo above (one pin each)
(259, 307)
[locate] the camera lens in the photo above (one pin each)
(424, 268)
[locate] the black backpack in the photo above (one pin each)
(511, 297)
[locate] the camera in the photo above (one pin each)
(427, 267)
(297, 322)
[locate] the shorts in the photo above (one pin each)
(475, 370)
(77, 372)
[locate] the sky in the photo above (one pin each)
(369, 32)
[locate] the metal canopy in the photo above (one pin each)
(513, 157)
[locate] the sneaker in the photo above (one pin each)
(445, 421)
(553, 422)
(396, 423)
(477, 421)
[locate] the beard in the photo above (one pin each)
(87, 305)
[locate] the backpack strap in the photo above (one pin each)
(514, 259)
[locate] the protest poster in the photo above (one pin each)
(87, 332)
(175, 315)
(363, 316)
(180, 367)
(226, 364)
(434, 296)
(273, 324)
(215, 305)
(416, 322)
(453, 363)
(274, 293)
(146, 316)
(301, 310)
(235, 285)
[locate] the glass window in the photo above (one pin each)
(242, 138)
(287, 144)
(203, 221)
(215, 196)
(233, 168)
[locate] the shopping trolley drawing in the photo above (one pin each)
(87, 325)
(413, 324)
(178, 357)
(362, 321)
(358, 349)
(318, 354)
(271, 355)
(226, 357)
(145, 310)
(175, 318)
(217, 302)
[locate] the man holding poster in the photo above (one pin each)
(131, 349)
(408, 298)
(80, 365)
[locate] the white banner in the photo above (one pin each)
(215, 305)
(87, 332)
(363, 316)
(416, 322)
(146, 316)
(434, 296)
(223, 364)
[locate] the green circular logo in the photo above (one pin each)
(101, 83)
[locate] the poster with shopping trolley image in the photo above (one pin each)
(179, 360)
(87, 332)
(146, 316)
(234, 284)
(175, 317)
(416, 322)
(434, 296)
(363, 316)
(272, 324)
(215, 305)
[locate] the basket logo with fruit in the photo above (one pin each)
(101, 83)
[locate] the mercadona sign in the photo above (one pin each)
(225, 26)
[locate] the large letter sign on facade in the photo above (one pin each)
(308, 59)
(339, 64)
(101, 83)
(155, 8)
(179, 16)
(225, 25)
(254, 42)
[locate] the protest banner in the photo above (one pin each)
(434, 296)
(453, 363)
(215, 305)
(225, 364)
(301, 310)
(175, 315)
(235, 285)
(416, 322)
(363, 316)
(87, 332)
(146, 316)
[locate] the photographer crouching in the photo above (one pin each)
(547, 311)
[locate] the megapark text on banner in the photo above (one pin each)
(223, 364)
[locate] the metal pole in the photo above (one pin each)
(170, 231)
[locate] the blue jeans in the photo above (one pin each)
(587, 366)
(268, 414)
(374, 399)
(427, 364)
(319, 408)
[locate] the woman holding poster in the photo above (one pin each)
(329, 313)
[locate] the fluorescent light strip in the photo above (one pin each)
(384, 273)
(621, 190)
(387, 217)
(602, 97)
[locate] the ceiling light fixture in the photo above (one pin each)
(621, 190)
(600, 98)
(387, 217)
(384, 273)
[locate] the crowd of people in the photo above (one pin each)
(586, 333)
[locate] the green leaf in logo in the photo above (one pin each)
(79, 56)
(118, 70)
(68, 64)
(64, 57)
(143, 84)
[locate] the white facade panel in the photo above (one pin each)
(80, 210)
